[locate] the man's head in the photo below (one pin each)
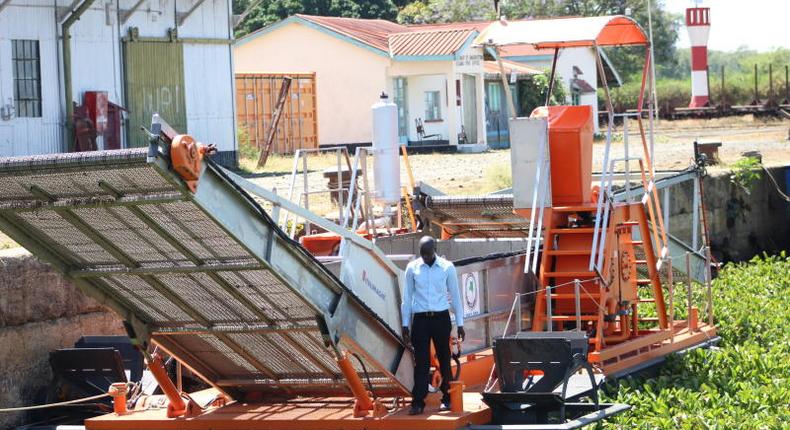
(428, 249)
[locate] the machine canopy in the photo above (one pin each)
(565, 32)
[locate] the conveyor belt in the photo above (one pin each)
(208, 276)
(477, 216)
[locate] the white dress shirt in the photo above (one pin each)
(427, 290)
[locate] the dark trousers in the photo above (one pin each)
(425, 329)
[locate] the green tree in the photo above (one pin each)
(433, 11)
(627, 60)
(270, 11)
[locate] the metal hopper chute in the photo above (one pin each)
(205, 274)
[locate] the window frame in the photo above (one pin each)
(26, 77)
(433, 111)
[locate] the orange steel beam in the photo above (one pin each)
(649, 187)
(658, 292)
(176, 407)
(363, 404)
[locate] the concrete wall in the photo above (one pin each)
(349, 78)
(39, 312)
(741, 224)
(97, 64)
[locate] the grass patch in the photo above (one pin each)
(745, 382)
(497, 177)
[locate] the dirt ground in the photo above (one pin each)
(470, 174)
(483, 173)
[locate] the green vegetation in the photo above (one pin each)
(745, 172)
(498, 177)
(673, 84)
(626, 60)
(744, 383)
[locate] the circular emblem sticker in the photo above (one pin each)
(470, 292)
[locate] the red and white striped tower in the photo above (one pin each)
(698, 25)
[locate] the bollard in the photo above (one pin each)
(457, 396)
(118, 392)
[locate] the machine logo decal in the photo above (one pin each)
(470, 290)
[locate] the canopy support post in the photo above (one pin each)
(503, 76)
(551, 77)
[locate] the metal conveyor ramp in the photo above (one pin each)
(206, 275)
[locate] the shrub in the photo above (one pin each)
(745, 382)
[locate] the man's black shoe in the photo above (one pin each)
(445, 406)
(416, 410)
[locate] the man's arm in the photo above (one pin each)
(455, 296)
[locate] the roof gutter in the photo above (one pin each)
(66, 40)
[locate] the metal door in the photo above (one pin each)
(496, 116)
(469, 100)
(399, 98)
(154, 73)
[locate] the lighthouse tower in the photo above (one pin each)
(698, 25)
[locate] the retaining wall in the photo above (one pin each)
(39, 312)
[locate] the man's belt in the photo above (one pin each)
(432, 313)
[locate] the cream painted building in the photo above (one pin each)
(435, 76)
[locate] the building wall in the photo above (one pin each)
(97, 64)
(349, 78)
(429, 76)
(19, 136)
(584, 59)
(417, 87)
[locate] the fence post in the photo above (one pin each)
(671, 283)
(689, 303)
(708, 286)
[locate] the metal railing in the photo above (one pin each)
(301, 156)
(539, 195)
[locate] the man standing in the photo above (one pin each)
(429, 281)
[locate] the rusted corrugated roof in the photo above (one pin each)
(373, 32)
(429, 43)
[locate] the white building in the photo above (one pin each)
(166, 56)
(576, 68)
(434, 75)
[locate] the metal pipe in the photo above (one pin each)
(549, 319)
(551, 77)
(67, 86)
(576, 285)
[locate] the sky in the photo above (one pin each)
(759, 24)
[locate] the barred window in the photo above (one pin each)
(26, 63)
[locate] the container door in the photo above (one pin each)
(399, 98)
(154, 74)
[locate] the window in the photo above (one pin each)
(26, 65)
(576, 97)
(494, 100)
(432, 110)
